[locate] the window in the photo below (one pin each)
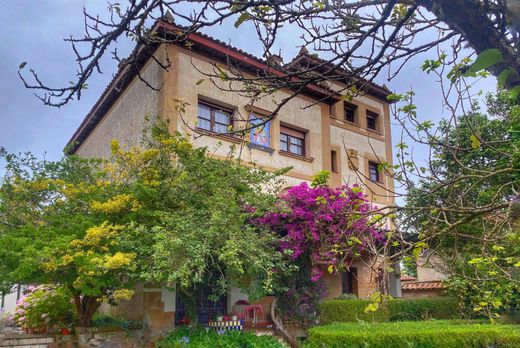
(373, 171)
(350, 112)
(292, 140)
(334, 161)
(372, 120)
(332, 110)
(213, 118)
(349, 282)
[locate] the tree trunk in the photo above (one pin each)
(86, 307)
(287, 335)
(470, 19)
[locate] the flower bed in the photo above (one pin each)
(423, 334)
(201, 338)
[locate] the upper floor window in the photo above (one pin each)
(292, 140)
(214, 118)
(372, 120)
(373, 171)
(350, 112)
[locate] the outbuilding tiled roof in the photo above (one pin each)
(407, 278)
(428, 285)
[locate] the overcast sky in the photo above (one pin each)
(33, 31)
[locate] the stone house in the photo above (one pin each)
(313, 131)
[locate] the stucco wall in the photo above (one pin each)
(366, 281)
(423, 293)
(298, 112)
(124, 120)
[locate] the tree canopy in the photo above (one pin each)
(356, 40)
(164, 212)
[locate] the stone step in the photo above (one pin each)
(26, 342)
(267, 332)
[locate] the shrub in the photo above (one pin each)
(420, 309)
(44, 307)
(102, 320)
(201, 338)
(420, 334)
(341, 311)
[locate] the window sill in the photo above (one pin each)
(375, 131)
(380, 182)
(344, 121)
(356, 128)
(300, 157)
(227, 137)
(261, 148)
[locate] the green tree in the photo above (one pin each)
(475, 177)
(162, 212)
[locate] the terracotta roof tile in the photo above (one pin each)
(422, 285)
(406, 278)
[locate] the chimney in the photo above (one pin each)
(274, 60)
(303, 50)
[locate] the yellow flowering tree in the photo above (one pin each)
(94, 268)
(64, 223)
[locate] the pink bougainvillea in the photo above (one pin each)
(331, 226)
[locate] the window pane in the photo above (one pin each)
(204, 124)
(204, 111)
(371, 120)
(220, 128)
(296, 149)
(283, 137)
(297, 141)
(350, 112)
(373, 171)
(221, 117)
(283, 145)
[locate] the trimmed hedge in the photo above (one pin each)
(341, 311)
(414, 334)
(421, 309)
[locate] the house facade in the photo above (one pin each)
(314, 131)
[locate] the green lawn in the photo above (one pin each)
(419, 334)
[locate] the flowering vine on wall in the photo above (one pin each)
(329, 225)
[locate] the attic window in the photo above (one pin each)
(372, 118)
(350, 112)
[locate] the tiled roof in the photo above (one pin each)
(422, 285)
(312, 59)
(406, 278)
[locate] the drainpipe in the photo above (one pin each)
(394, 281)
